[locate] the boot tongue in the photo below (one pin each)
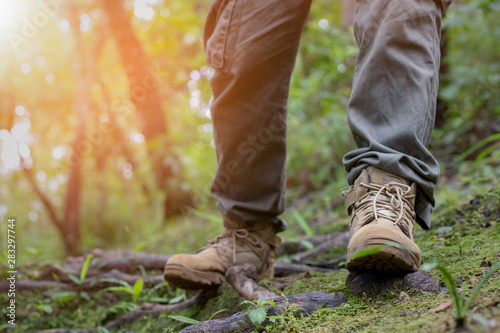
(383, 177)
(230, 223)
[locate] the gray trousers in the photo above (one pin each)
(253, 44)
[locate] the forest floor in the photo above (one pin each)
(465, 238)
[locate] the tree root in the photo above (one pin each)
(296, 245)
(154, 309)
(340, 240)
(304, 304)
(243, 280)
(127, 262)
(282, 270)
(89, 284)
(157, 309)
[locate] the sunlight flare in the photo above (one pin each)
(9, 14)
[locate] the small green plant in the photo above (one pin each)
(121, 307)
(134, 290)
(461, 306)
(42, 307)
(258, 310)
(83, 271)
(150, 296)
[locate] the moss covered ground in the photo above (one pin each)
(465, 238)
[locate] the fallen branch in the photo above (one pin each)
(89, 284)
(331, 264)
(127, 262)
(95, 283)
(157, 309)
(306, 304)
(23, 285)
(297, 245)
(282, 270)
(340, 240)
(154, 309)
(66, 330)
(243, 278)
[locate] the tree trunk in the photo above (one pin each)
(71, 221)
(145, 96)
(143, 85)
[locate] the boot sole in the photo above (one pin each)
(183, 277)
(389, 259)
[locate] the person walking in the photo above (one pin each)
(252, 45)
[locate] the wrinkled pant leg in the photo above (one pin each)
(252, 45)
(391, 110)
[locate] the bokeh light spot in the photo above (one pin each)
(164, 12)
(41, 176)
(25, 68)
(323, 23)
(192, 84)
(20, 110)
(195, 75)
(24, 150)
(59, 152)
(33, 216)
(50, 78)
(64, 25)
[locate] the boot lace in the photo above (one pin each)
(391, 202)
(235, 234)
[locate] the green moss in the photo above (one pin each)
(467, 251)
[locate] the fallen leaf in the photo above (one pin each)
(441, 307)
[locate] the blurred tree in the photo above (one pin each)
(84, 75)
(145, 95)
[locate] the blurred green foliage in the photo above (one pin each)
(472, 85)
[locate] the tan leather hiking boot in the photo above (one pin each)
(381, 208)
(241, 242)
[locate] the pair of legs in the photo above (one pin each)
(252, 45)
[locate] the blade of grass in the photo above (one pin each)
(111, 280)
(138, 285)
(85, 268)
(478, 146)
(185, 319)
(139, 247)
(486, 276)
(212, 317)
(450, 284)
(366, 252)
(303, 223)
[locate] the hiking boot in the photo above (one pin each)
(381, 208)
(241, 242)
